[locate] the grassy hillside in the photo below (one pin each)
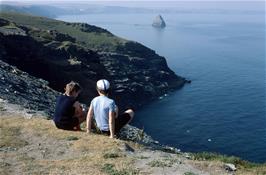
(86, 35)
(35, 146)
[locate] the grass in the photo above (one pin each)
(189, 173)
(111, 155)
(110, 169)
(102, 41)
(243, 166)
(85, 154)
(10, 137)
(166, 162)
(67, 152)
(223, 158)
(159, 163)
(70, 138)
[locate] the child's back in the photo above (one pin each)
(101, 106)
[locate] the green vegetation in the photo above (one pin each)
(91, 37)
(143, 157)
(242, 165)
(189, 173)
(224, 158)
(110, 155)
(110, 169)
(166, 162)
(70, 138)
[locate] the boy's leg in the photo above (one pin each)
(123, 119)
(131, 114)
(75, 124)
(81, 116)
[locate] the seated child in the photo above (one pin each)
(68, 112)
(105, 112)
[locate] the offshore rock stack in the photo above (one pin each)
(159, 22)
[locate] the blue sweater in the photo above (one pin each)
(64, 110)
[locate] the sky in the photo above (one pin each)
(154, 4)
(99, 1)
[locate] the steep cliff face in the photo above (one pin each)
(72, 51)
(31, 93)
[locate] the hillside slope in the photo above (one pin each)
(33, 145)
(58, 52)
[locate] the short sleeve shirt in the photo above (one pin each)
(101, 106)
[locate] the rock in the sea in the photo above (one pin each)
(159, 22)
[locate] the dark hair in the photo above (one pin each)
(72, 87)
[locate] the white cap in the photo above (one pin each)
(103, 84)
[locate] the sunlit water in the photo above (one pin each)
(223, 109)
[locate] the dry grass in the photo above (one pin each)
(35, 146)
(212, 160)
(83, 153)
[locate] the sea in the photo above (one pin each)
(221, 49)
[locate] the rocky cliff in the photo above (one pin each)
(59, 52)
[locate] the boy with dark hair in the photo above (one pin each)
(105, 112)
(68, 112)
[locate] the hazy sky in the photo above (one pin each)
(35, 1)
(228, 4)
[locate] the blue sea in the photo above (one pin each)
(223, 52)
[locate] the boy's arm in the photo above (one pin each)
(112, 124)
(89, 119)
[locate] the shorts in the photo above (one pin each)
(120, 122)
(68, 126)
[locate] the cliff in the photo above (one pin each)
(38, 56)
(58, 52)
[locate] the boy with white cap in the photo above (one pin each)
(105, 112)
